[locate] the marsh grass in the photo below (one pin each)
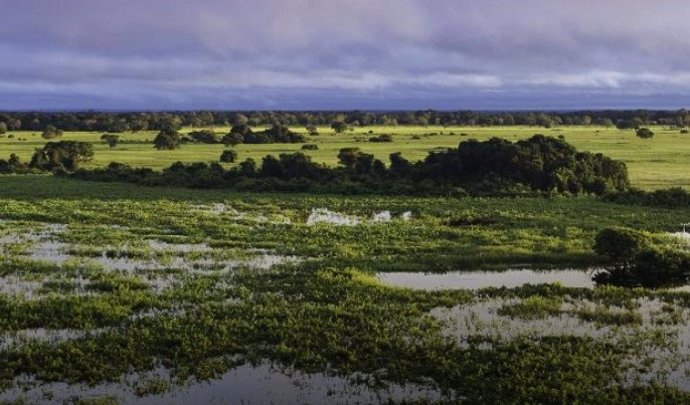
(324, 312)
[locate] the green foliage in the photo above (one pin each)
(111, 139)
(205, 136)
(62, 156)
(228, 156)
(381, 138)
(51, 132)
(167, 139)
(621, 245)
(644, 133)
(494, 167)
(339, 126)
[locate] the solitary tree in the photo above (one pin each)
(167, 139)
(111, 139)
(228, 156)
(51, 132)
(644, 133)
(339, 126)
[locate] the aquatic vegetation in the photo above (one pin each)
(179, 293)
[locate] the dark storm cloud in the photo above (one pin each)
(343, 54)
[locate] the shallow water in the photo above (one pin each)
(483, 279)
(243, 385)
(667, 360)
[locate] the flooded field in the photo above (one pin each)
(318, 300)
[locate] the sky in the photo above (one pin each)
(344, 54)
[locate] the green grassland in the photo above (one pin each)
(655, 163)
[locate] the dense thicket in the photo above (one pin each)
(139, 121)
(497, 166)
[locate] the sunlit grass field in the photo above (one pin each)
(653, 163)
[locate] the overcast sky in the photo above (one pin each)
(344, 54)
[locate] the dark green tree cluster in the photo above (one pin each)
(242, 133)
(539, 164)
(64, 156)
(204, 136)
(14, 165)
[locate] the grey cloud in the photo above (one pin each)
(344, 54)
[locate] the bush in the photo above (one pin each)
(204, 136)
(51, 132)
(381, 138)
(167, 139)
(644, 133)
(111, 139)
(310, 146)
(684, 131)
(620, 245)
(228, 156)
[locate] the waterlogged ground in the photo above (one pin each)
(120, 294)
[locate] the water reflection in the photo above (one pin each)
(482, 279)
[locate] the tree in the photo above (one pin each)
(312, 130)
(644, 133)
(63, 155)
(620, 245)
(3, 128)
(167, 139)
(111, 139)
(232, 139)
(228, 156)
(339, 126)
(240, 119)
(247, 168)
(205, 136)
(51, 132)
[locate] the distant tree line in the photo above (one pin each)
(169, 138)
(118, 122)
(539, 164)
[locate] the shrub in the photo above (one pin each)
(228, 156)
(167, 139)
(310, 146)
(51, 132)
(644, 133)
(381, 138)
(204, 136)
(620, 245)
(111, 139)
